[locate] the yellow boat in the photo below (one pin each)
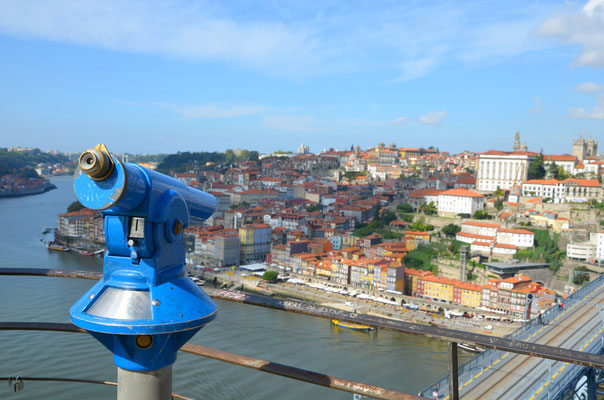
(350, 325)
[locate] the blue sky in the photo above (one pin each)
(164, 76)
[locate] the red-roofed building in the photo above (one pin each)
(500, 169)
(459, 201)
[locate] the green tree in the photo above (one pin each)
(270, 276)
(75, 206)
(405, 208)
(553, 170)
(537, 170)
(451, 229)
(254, 156)
(580, 278)
(428, 208)
(480, 214)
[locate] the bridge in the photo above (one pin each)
(501, 375)
(536, 361)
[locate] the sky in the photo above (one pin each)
(161, 76)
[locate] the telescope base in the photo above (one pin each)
(144, 385)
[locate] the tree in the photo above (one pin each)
(428, 208)
(451, 229)
(537, 170)
(270, 276)
(480, 214)
(580, 278)
(405, 208)
(553, 171)
(75, 206)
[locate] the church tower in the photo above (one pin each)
(517, 142)
(579, 148)
(591, 148)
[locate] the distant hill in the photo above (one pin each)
(15, 161)
(184, 161)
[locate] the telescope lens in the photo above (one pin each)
(96, 163)
(89, 160)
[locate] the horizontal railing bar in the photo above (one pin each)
(74, 380)
(244, 361)
(452, 335)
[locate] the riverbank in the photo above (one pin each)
(28, 192)
(363, 306)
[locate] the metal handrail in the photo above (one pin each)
(451, 335)
(73, 380)
(244, 361)
(470, 367)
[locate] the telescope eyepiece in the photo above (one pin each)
(97, 163)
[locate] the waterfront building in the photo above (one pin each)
(390, 277)
(255, 242)
(467, 294)
(500, 169)
(218, 248)
(84, 223)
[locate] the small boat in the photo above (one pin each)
(58, 247)
(350, 325)
(47, 231)
(470, 347)
(85, 252)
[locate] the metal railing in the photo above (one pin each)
(473, 366)
(450, 335)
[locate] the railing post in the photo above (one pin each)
(144, 385)
(453, 372)
(591, 385)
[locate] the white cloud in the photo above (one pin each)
(433, 118)
(401, 120)
(214, 111)
(596, 113)
(584, 28)
(589, 87)
(538, 106)
(408, 40)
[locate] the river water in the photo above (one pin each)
(396, 361)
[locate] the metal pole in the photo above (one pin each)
(144, 385)
(453, 372)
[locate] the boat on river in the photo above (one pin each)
(58, 247)
(350, 325)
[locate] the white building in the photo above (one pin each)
(480, 228)
(584, 251)
(545, 188)
(567, 162)
(502, 169)
(516, 237)
(459, 201)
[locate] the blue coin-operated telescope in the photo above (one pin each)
(145, 307)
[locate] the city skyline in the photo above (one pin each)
(180, 76)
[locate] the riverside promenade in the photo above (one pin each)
(427, 313)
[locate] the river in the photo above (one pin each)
(396, 361)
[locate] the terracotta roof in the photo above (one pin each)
(481, 224)
(462, 192)
(518, 231)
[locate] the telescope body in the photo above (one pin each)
(145, 307)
